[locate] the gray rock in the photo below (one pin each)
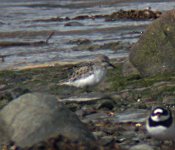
(98, 134)
(105, 140)
(132, 115)
(35, 117)
(154, 53)
(81, 41)
(141, 147)
(106, 104)
(129, 70)
(73, 24)
(4, 133)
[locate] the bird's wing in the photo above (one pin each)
(82, 71)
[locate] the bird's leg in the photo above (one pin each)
(87, 89)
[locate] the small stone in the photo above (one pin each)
(141, 147)
(98, 134)
(107, 140)
(74, 24)
(106, 104)
(120, 140)
(2, 86)
(132, 115)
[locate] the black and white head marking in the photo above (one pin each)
(160, 117)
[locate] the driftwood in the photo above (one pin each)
(2, 58)
(37, 43)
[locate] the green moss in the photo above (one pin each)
(116, 79)
(118, 82)
(32, 78)
(46, 79)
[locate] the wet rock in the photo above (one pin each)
(106, 140)
(134, 14)
(88, 46)
(115, 46)
(80, 41)
(53, 19)
(73, 24)
(86, 112)
(128, 138)
(106, 104)
(132, 115)
(154, 53)
(35, 117)
(96, 117)
(63, 143)
(141, 147)
(82, 17)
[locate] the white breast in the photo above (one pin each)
(161, 132)
(90, 80)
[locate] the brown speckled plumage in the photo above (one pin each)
(89, 73)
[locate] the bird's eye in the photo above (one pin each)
(165, 113)
(156, 114)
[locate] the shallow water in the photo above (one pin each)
(23, 21)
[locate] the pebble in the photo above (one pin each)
(141, 147)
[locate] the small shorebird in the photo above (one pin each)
(89, 74)
(161, 124)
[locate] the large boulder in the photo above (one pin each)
(4, 133)
(154, 53)
(35, 117)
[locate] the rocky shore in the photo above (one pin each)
(115, 110)
(111, 116)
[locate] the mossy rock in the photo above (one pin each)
(154, 53)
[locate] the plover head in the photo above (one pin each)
(160, 124)
(160, 114)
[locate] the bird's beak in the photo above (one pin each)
(111, 65)
(158, 115)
